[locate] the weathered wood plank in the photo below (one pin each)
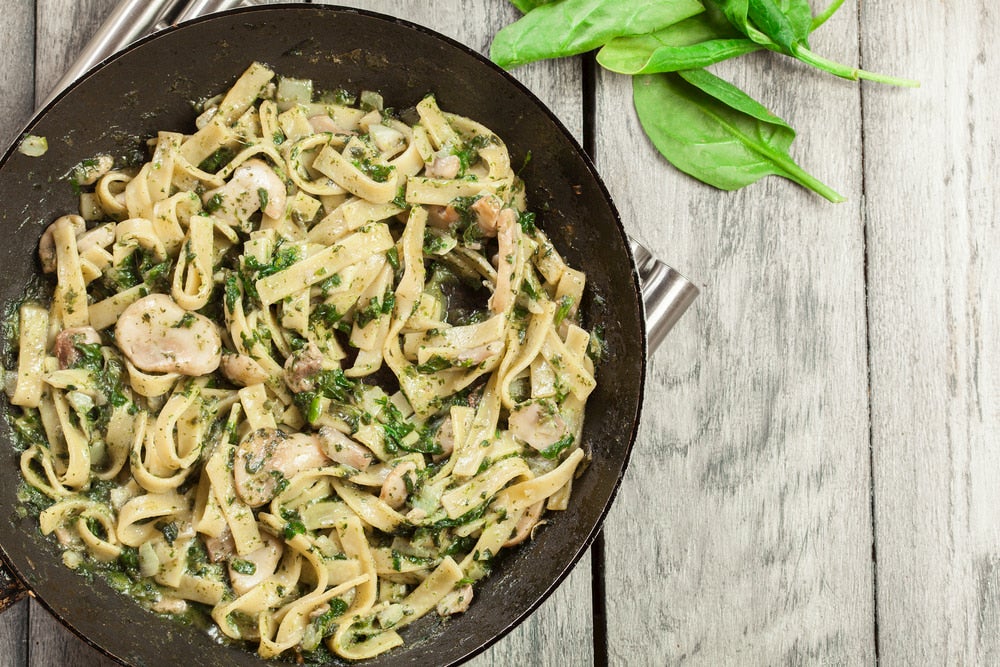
(17, 31)
(560, 632)
(932, 210)
(742, 534)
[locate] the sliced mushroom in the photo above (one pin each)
(442, 217)
(158, 336)
(388, 140)
(395, 488)
(222, 547)
(487, 210)
(445, 438)
(302, 366)
(169, 605)
(528, 521)
(265, 562)
(456, 601)
(343, 450)
(443, 165)
(88, 171)
(65, 346)
(47, 244)
(242, 195)
(242, 369)
(538, 423)
(267, 456)
(323, 123)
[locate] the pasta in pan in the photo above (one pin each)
(309, 368)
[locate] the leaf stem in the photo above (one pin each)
(796, 173)
(843, 71)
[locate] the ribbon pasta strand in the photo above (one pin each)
(311, 368)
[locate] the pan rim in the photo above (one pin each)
(582, 546)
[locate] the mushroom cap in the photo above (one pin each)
(268, 455)
(158, 336)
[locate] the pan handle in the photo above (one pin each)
(11, 588)
(132, 19)
(666, 294)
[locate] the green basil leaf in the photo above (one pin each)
(699, 41)
(710, 129)
(569, 27)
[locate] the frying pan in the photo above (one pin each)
(150, 87)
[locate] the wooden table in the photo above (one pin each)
(815, 480)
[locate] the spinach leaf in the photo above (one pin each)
(775, 23)
(699, 41)
(782, 27)
(569, 27)
(800, 17)
(527, 5)
(708, 128)
(825, 15)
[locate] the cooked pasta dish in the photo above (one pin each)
(306, 370)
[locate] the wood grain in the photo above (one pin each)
(934, 263)
(742, 534)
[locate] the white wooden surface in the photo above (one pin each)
(815, 478)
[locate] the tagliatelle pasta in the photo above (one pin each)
(306, 371)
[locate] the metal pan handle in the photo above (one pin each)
(666, 294)
(130, 20)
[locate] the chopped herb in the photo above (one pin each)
(214, 203)
(128, 559)
(377, 172)
(597, 344)
(217, 160)
(527, 221)
(392, 255)
(232, 291)
(555, 449)
(293, 528)
(375, 308)
(169, 531)
(263, 196)
(565, 305)
(326, 314)
(434, 364)
(529, 289)
(243, 566)
(400, 198)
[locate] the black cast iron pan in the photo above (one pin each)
(150, 87)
